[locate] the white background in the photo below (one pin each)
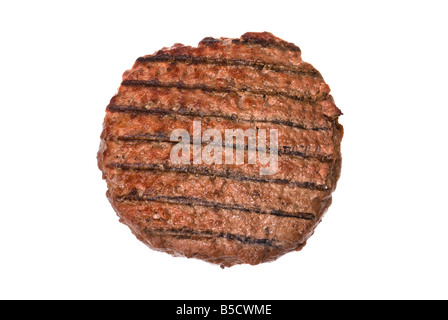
(384, 237)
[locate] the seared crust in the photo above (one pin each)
(224, 214)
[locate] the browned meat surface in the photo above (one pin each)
(222, 213)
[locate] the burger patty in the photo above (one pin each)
(222, 213)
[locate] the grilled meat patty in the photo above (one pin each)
(222, 213)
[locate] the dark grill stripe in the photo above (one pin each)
(204, 171)
(249, 38)
(162, 137)
(183, 112)
(226, 62)
(154, 83)
(189, 234)
(191, 201)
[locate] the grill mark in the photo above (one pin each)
(283, 150)
(313, 144)
(267, 40)
(212, 173)
(251, 40)
(293, 169)
(166, 215)
(192, 201)
(154, 83)
(188, 59)
(189, 234)
(183, 112)
(277, 108)
(276, 197)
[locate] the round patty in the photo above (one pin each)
(223, 213)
